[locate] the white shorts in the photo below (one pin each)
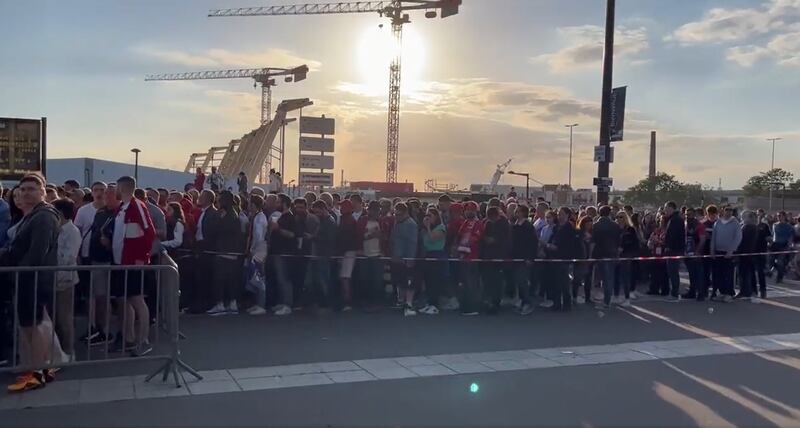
(348, 263)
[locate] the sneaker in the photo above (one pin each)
(218, 309)
(507, 302)
(409, 311)
(451, 304)
(546, 304)
(27, 382)
(49, 375)
(233, 308)
(430, 310)
(755, 299)
(626, 303)
(283, 311)
(90, 335)
(634, 295)
(275, 308)
(527, 309)
(580, 300)
(727, 299)
(673, 299)
(616, 300)
(141, 350)
(470, 313)
(256, 310)
(101, 339)
(347, 308)
(763, 295)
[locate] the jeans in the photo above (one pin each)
(522, 273)
(606, 270)
(673, 275)
(282, 268)
(697, 284)
(228, 279)
(747, 276)
(723, 274)
(470, 286)
(319, 280)
(435, 274)
(708, 277)
(371, 272)
(492, 276)
(560, 289)
(623, 279)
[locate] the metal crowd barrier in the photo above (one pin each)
(164, 336)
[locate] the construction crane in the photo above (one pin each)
(501, 169)
(392, 9)
(261, 76)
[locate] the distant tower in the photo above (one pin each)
(652, 154)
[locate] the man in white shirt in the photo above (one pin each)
(84, 219)
(258, 248)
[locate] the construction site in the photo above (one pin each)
(260, 153)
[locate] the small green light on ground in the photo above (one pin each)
(474, 388)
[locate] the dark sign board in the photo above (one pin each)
(22, 144)
(616, 125)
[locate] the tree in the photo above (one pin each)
(759, 185)
(665, 187)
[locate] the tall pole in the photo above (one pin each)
(136, 164)
(605, 110)
(569, 181)
(528, 186)
(772, 167)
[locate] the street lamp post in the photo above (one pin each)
(570, 152)
(772, 166)
(527, 182)
(136, 163)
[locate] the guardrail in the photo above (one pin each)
(37, 296)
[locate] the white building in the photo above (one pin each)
(88, 170)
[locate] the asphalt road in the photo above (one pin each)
(719, 390)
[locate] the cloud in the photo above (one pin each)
(222, 58)
(585, 47)
(777, 21)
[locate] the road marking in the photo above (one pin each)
(323, 373)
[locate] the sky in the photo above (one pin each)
(499, 80)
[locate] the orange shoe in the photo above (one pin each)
(27, 382)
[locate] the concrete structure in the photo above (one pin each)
(89, 170)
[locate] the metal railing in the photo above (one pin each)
(35, 294)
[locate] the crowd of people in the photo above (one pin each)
(252, 251)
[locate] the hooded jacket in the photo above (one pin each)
(36, 243)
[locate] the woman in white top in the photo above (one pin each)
(175, 227)
(69, 247)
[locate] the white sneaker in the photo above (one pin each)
(626, 303)
(526, 309)
(727, 299)
(256, 310)
(347, 308)
(218, 309)
(616, 300)
(409, 312)
(429, 310)
(233, 308)
(634, 295)
(580, 300)
(755, 300)
(283, 310)
(546, 304)
(506, 302)
(517, 303)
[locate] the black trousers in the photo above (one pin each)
(558, 274)
(493, 284)
(228, 279)
(723, 274)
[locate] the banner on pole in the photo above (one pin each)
(617, 122)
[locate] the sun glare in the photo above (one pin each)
(376, 50)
